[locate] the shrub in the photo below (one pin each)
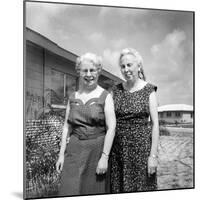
(42, 146)
(162, 122)
(164, 131)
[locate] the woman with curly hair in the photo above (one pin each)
(90, 128)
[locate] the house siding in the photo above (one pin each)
(185, 116)
(34, 81)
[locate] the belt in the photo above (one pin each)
(83, 136)
(132, 122)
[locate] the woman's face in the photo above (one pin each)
(88, 74)
(129, 67)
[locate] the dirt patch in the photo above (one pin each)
(175, 168)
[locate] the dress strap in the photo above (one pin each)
(152, 88)
(72, 96)
(103, 96)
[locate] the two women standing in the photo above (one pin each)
(90, 123)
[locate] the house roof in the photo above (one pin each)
(46, 43)
(51, 46)
(175, 107)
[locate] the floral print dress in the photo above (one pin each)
(132, 143)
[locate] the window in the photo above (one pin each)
(62, 85)
(177, 114)
(191, 115)
(169, 114)
(70, 86)
(161, 115)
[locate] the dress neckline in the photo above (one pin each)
(89, 100)
(135, 90)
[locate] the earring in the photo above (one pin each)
(139, 73)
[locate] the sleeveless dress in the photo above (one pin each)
(84, 150)
(132, 143)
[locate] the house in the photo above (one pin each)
(176, 113)
(50, 75)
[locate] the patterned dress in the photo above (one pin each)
(132, 143)
(84, 150)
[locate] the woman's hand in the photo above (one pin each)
(152, 165)
(102, 165)
(59, 164)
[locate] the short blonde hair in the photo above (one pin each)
(133, 52)
(93, 58)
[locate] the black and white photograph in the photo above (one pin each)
(108, 99)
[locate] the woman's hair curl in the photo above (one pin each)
(93, 58)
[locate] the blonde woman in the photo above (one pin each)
(89, 127)
(134, 153)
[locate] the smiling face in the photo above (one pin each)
(129, 67)
(88, 74)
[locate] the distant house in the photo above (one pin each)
(176, 113)
(50, 75)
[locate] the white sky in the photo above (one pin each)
(164, 39)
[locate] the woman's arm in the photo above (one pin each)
(65, 133)
(111, 124)
(64, 141)
(155, 133)
(155, 124)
